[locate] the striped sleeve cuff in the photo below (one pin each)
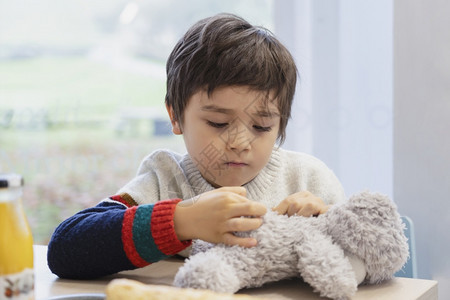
(148, 233)
(163, 228)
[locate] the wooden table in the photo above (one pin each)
(49, 285)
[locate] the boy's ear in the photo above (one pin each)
(176, 128)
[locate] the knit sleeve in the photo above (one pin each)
(305, 172)
(114, 236)
(323, 182)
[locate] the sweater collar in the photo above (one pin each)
(256, 188)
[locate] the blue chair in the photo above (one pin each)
(410, 268)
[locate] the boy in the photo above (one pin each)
(230, 87)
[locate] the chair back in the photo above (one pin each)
(410, 268)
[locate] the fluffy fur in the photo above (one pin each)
(367, 227)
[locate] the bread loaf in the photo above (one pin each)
(125, 289)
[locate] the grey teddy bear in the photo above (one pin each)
(320, 250)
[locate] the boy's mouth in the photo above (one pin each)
(236, 164)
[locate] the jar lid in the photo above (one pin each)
(10, 180)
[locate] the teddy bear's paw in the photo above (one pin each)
(205, 271)
(323, 265)
(369, 227)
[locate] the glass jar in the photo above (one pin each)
(16, 242)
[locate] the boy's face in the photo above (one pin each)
(229, 135)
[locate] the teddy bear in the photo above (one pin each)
(327, 251)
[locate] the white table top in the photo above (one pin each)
(49, 285)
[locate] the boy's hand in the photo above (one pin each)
(302, 204)
(214, 216)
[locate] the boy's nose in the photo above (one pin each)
(239, 137)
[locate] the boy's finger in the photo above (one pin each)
(242, 224)
(247, 208)
(281, 208)
(230, 239)
(309, 210)
(293, 209)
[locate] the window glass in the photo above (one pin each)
(82, 86)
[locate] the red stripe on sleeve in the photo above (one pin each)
(127, 239)
(163, 228)
(119, 198)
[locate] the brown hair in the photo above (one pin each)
(225, 50)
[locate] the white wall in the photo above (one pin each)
(422, 130)
(343, 107)
(374, 104)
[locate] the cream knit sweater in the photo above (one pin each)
(167, 175)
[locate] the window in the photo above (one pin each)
(82, 88)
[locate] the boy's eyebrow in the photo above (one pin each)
(215, 108)
(264, 113)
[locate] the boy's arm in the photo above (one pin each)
(114, 236)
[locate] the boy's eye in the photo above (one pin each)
(261, 128)
(217, 125)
